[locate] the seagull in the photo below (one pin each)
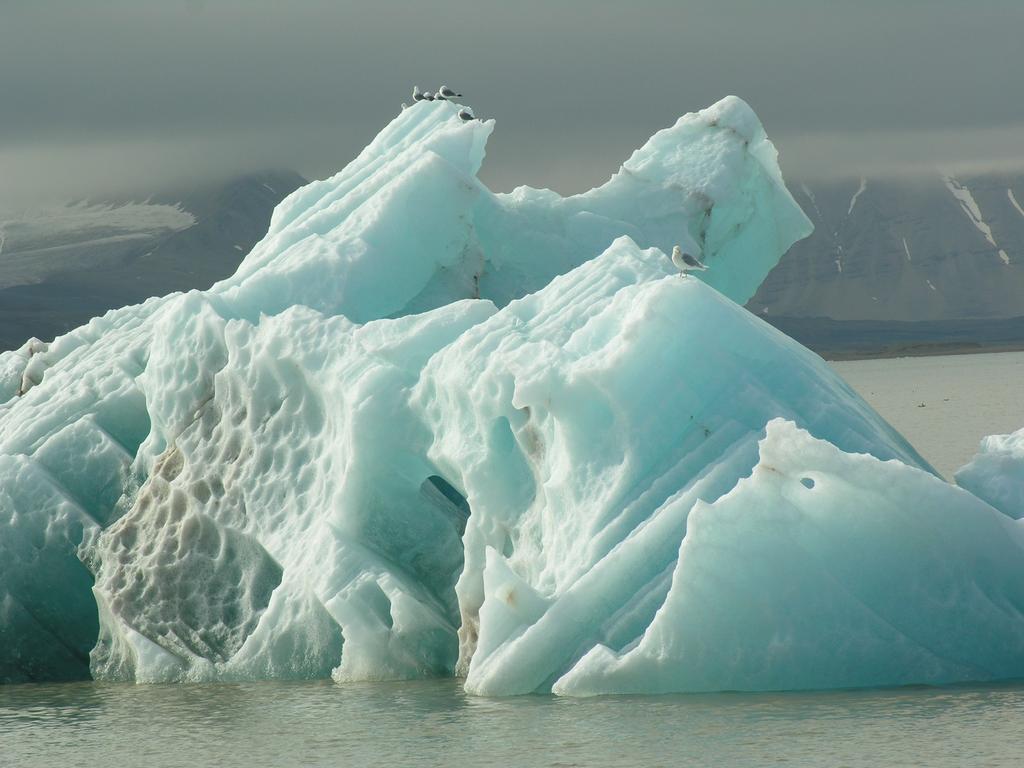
(417, 95)
(466, 115)
(447, 92)
(428, 96)
(685, 262)
(404, 106)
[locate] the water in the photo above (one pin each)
(943, 405)
(435, 723)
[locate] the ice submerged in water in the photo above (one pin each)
(428, 430)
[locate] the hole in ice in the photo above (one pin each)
(447, 498)
(382, 605)
(807, 482)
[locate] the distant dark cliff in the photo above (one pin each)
(947, 248)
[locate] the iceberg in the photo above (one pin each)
(431, 430)
(824, 569)
(996, 473)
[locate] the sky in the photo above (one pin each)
(129, 96)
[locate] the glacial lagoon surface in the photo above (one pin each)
(943, 404)
(435, 723)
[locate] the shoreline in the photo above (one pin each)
(930, 349)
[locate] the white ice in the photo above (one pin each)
(996, 473)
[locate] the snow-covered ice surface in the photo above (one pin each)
(35, 244)
(1013, 201)
(970, 207)
(430, 430)
(860, 190)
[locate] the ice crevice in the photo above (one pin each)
(429, 430)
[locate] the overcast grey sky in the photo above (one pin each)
(106, 95)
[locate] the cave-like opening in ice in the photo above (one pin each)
(447, 499)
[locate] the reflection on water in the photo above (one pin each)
(435, 723)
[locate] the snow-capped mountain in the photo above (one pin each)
(934, 249)
(61, 265)
(38, 243)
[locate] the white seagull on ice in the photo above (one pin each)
(685, 262)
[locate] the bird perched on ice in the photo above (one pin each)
(417, 94)
(445, 92)
(466, 115)
(404, 106)
(685, 262)
(428, 96)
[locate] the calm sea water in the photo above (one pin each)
(943, 405)
(435, 723)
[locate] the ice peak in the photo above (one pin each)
(477, 244)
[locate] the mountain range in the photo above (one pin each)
(904, 263)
